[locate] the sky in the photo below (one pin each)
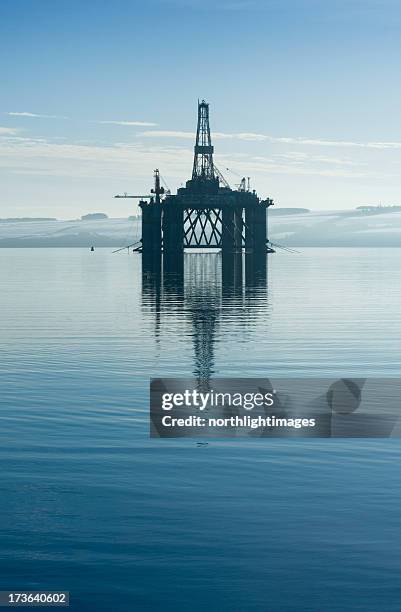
(305, 98)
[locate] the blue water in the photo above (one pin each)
(91, 505)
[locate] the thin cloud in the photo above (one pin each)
(191, 135)
(6, 131)
(133, 123)
(39, 156)
(255, 137)
(167, 134)
(45, 157)
(34, 115)
(263, 166)
(298, 157)
(335, 143)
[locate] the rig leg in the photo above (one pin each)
(238, 228)
(173, 238)
(260, 230)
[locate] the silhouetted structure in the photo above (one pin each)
(206, 213)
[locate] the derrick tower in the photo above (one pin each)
(203, 171)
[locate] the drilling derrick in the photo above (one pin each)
(204, 178)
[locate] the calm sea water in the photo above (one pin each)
(91, 505)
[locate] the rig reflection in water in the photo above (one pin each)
(202, 290)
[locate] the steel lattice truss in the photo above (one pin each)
(202, 227)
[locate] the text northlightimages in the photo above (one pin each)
(211, 399)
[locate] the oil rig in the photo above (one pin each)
(205, 214)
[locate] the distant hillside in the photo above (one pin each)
(341, 228)
(378, 210)
(288, 211)
(74, 233)
(94, 216)
(26, 219)
(338, 228)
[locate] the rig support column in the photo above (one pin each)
(255, 244)
(231, 242)
(238, 227)
(173, 237)
(151, 235)
(260, 231)
(249, 229)
(228, 229)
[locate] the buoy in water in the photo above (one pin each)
(92, 248)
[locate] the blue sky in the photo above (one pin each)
(305, 98)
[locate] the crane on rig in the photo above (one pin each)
(245, 183)
(156, 193)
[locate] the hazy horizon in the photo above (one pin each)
(137, 213)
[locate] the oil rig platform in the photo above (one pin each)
(205, 214)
